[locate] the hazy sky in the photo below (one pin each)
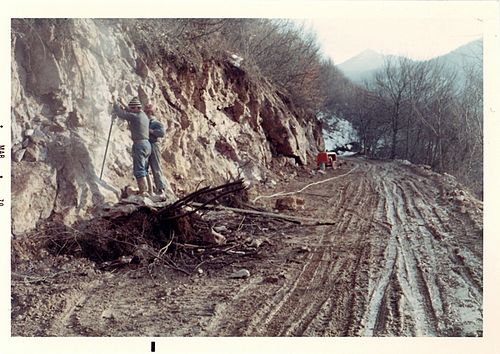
(419, 30)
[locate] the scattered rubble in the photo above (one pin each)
(290, 203)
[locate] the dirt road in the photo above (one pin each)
(404, 258)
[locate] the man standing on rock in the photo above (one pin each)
(156, 130)
(141, 148)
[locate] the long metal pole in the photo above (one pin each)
(107, 144)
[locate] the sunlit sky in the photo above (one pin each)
(418, 30)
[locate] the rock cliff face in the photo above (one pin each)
(219, 120)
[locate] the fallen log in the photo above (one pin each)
(294, 219)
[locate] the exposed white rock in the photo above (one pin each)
(242, 273)
(108, 314)
(61, 114)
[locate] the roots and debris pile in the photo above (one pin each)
(183, 235)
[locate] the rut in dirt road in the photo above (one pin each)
(402, 260)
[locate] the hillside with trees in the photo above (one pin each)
(426, 112)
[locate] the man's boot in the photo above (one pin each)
(143, 185)
(158, 197)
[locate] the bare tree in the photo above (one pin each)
(432, 100)
(433, 117)
(469, 113)
(391, 84)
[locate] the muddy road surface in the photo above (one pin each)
(401, 254)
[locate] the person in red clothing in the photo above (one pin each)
(322, 160)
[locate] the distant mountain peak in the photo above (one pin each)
(367, 54)
(363, 65)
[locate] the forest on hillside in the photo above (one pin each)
(422, 112)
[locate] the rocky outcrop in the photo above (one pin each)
(220, 121)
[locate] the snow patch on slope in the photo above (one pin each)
(337, 131)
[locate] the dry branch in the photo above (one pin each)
(294, 219)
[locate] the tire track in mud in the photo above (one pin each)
(423, 261)
(428, 232)
(84, 315)
(381, 273)
(334, 278)
(401, 271)
(441, 233)
(66, 321)
(317, 318)
(324, 289)
(346, 301)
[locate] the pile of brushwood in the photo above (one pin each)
(182, 235)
